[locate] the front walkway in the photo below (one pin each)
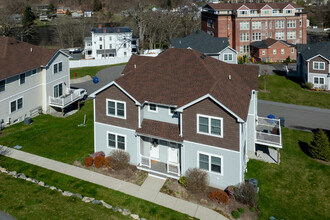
(148, 191)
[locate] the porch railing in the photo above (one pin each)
(173, 168)
(63, 101)
(145, 161)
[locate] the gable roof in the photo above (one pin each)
(253, 6)
(135, 62)
(202, 42)
(269, 42)
(17, 57)
(179, 76)
(308, 51)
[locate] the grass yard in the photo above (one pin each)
(25, 200)
(56, 138)
(298, 188)
(83, 71)
(285, 90)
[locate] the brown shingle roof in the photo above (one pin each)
(256, 6)
(17, 57)
(180, 76)
(160, 129)
(135, 62)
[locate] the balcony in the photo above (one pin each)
(65, 100)
(268, 132)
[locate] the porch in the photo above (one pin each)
(266, 154)
(159, 157)
(268, 132)
(67, 99)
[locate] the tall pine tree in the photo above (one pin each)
(319, 147)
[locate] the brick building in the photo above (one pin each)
(244, 23)
(271, 50)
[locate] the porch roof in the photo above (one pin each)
(159, 129)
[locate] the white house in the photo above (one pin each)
(108, 42)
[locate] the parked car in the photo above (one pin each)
(82, 92)
(75, 50)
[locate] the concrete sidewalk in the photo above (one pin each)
(148, 191)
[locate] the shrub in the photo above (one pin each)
(246, 194)
(183, 181)
(108, 161)
(241, 210)
(308, 85)
(88, 161)
(219, 195)
(99, 161)
(252, 209)
(319, 147)
(235, 214)
(120, 159)
(197, 180)
(99, 153)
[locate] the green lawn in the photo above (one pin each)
(25, 200)
(83, 71)
(285, 90)
(56, 138)
(298, 188)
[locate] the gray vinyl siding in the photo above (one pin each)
(101, 140)
(326, 84)
(227, 50)
(162, 114)
(231, 163)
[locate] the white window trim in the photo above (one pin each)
(210, 155)
(152, 110)
(263, 52)
(115, 101)
(19, 80)
(58, 85)
(228, 57)
(318, 65)
(15, 100)
(210, 117)
(282, 51)
(58, 69)
(169, 111)
(274, 51)
(319, 77)
(116, 140)
(5, 85)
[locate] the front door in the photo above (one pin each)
(173, 155)
(58, 90)
(154, 151)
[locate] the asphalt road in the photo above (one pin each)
(5, 216)
(105, 76)
(296, 116)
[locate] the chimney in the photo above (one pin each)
(100, 25)
(104, 30)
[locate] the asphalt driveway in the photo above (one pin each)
(105, 76)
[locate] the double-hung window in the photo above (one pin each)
(319, 80)
(210, 163)
(116, 141)
(228, 57)
(318, 66)
(116, 108)
(58, 90)
(209, 125)
(2, 85)
(16, 105)
(58, 67)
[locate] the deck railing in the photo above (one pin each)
(63, 101)
(268, 131)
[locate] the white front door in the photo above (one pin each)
(154, 152)
(173, 155)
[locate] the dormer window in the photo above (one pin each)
(266, 12)
(244, 12)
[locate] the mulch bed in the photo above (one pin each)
(130, 174)
(174, 188)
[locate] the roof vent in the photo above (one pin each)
(31, 49)
(134, 66)
(308, 48)
(229, 77)
(203, 56)
(180, 42)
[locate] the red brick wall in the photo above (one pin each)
(278, 56)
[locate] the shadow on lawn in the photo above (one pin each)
(305, 146)
(292, 78)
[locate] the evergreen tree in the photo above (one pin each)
(319, 147)
(28, 16)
